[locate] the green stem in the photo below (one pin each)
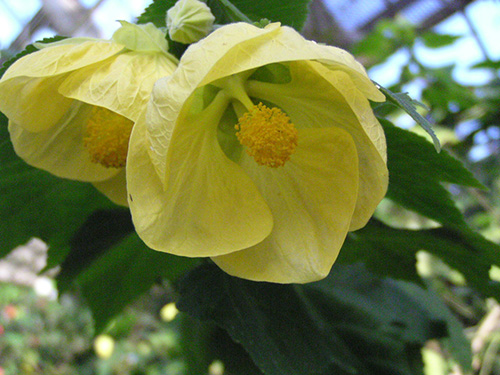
(212, 114)
(234, 13)
(234, 87)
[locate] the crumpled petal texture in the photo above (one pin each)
(48, 95)
(284, 224)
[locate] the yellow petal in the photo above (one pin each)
(60, 59)
(121, 84)
(29, 88)
(238, 47)
(145, 37)
(114, 188)
(207, 205)
(312, 198)
(33, 103)
(311, 100)
(59, 149)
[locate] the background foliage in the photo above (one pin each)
(375, 314)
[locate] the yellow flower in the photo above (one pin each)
(72, 104)
(261, 151)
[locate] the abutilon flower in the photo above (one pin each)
(261, 151)
(72, 105)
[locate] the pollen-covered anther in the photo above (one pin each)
(106, 137)
(268, 134)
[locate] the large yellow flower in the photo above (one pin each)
(261, 151)
(72, 104)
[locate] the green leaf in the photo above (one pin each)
(156, 12)
(409, 105)
(456, 343)
(101, 231)
(36, 204)
(122, 273)
(349, 323)
(112, 266)
(292, 13)
(487, 65)
(443, 90)
(460, 247)
(416, 172)
(435, 40)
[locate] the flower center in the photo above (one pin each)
(106, 137)
(268, 134)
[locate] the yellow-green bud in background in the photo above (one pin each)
(189, 20)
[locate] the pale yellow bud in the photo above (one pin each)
(189, 21)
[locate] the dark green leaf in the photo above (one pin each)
(403, 101)
(456, 343)
(156, 12)
(292, 13)
(349, 323)
(122, 273)
(391, 252)
(416, 172)
(37, 204)
(387, 304)
(102, 230)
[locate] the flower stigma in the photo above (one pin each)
(268, 134)
(106, 137)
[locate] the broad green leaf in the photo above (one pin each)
(409, 105)
(37, 204)
(292, 13)
(377, 303)
(391, 252)
(456, 343)
(102, 230)
(122, 273)
(349, 323)
(416, 172)
(156, 12)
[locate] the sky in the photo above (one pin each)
(14, 14)
(465, 52)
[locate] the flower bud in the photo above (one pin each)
(189, 20)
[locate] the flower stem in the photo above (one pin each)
(234, 13)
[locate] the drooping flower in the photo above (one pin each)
(261, 151)
(72, 104)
